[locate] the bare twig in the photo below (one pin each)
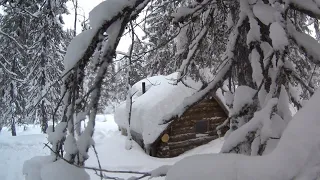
(96, 153)
(144, 174)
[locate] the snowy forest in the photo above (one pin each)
(68, 81)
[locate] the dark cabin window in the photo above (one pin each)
(201, 126)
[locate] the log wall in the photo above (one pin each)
(182, 131)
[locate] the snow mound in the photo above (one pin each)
(43, 168)
(63, 171)
(149, 110)
(32, 168)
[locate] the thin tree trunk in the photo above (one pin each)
(44, 123)
(75, 6)
(13, 127)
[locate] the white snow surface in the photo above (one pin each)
(296, 155)
(106, 10)
(32, 167)
(15, 150)
(60, 170)
(77, 48)
(110, 145)
(159, 103)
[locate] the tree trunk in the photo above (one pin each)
(13, 127)
(44, 123)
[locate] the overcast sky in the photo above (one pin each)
(85, 6)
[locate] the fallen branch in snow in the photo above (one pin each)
(159, 172)
(99, 164)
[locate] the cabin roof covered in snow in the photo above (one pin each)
(158, 104)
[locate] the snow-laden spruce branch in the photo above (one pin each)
(189, 12)
(21, 10)
(55, 82)
(309, 7)
(141, 55)
(20, 47)
(194, 45)
(308, 44)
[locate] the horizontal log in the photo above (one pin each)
(196, 116)
(179, 151)
(182, 124)
(191, 142)
(163, 154)
(207, 103)
(216, 122)
(203, 114)
(190, 122)
(182, 130)
(164, 148)
(182, 137)
(203, 110)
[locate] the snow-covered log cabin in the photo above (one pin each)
(157, 123)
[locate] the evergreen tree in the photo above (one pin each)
(48, 45)
(32, 52)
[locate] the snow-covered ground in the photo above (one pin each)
(15, 150)
(110, 145)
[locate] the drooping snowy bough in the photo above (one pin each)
(108, 21)
(264, 62)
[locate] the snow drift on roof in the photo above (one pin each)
(158, 103)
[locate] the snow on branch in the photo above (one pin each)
(193, 48)
(211, 87)
(21, 48)
(308, 44)
(108, 28)
(309, 7)
(102, 22)
(183, 13)
(259, 120)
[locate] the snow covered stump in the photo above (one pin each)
(295, 157)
